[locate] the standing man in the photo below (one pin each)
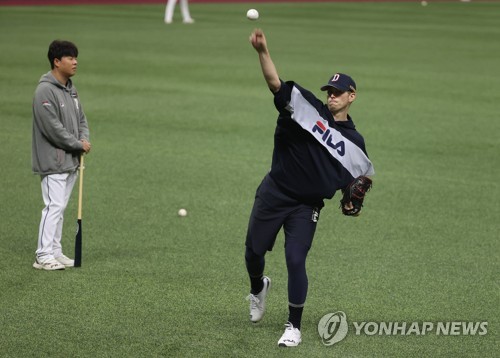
(317, 151)
(169, 12)
(60, 135)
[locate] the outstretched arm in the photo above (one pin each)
(259, 43)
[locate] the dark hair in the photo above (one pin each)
(58, 49)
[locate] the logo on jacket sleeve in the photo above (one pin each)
(328, 138)
(74, 95)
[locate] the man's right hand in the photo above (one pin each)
(258, 40)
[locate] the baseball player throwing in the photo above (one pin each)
(317, 151)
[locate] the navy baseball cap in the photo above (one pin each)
(342, 82)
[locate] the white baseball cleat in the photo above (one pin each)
(188, 21)
(291, 337)
(258, 301)
(49, 265)
(66, 261)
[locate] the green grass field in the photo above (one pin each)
(181, 117)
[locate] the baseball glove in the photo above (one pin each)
(354, 194)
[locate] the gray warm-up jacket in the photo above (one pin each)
(59, 124)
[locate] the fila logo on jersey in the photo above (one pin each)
(327, 138)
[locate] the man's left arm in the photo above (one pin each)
(83, 130)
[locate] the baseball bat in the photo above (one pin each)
(78, 238)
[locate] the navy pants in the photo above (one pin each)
(272, 211)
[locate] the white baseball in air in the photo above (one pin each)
(424, 3)
(252, 14)
(182, 212)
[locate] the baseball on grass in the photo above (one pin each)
(182, 212)
(252, 14)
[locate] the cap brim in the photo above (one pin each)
(326, 87)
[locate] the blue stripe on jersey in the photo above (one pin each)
(352, 157)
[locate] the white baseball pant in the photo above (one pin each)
(56, 192)
(169, 11)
